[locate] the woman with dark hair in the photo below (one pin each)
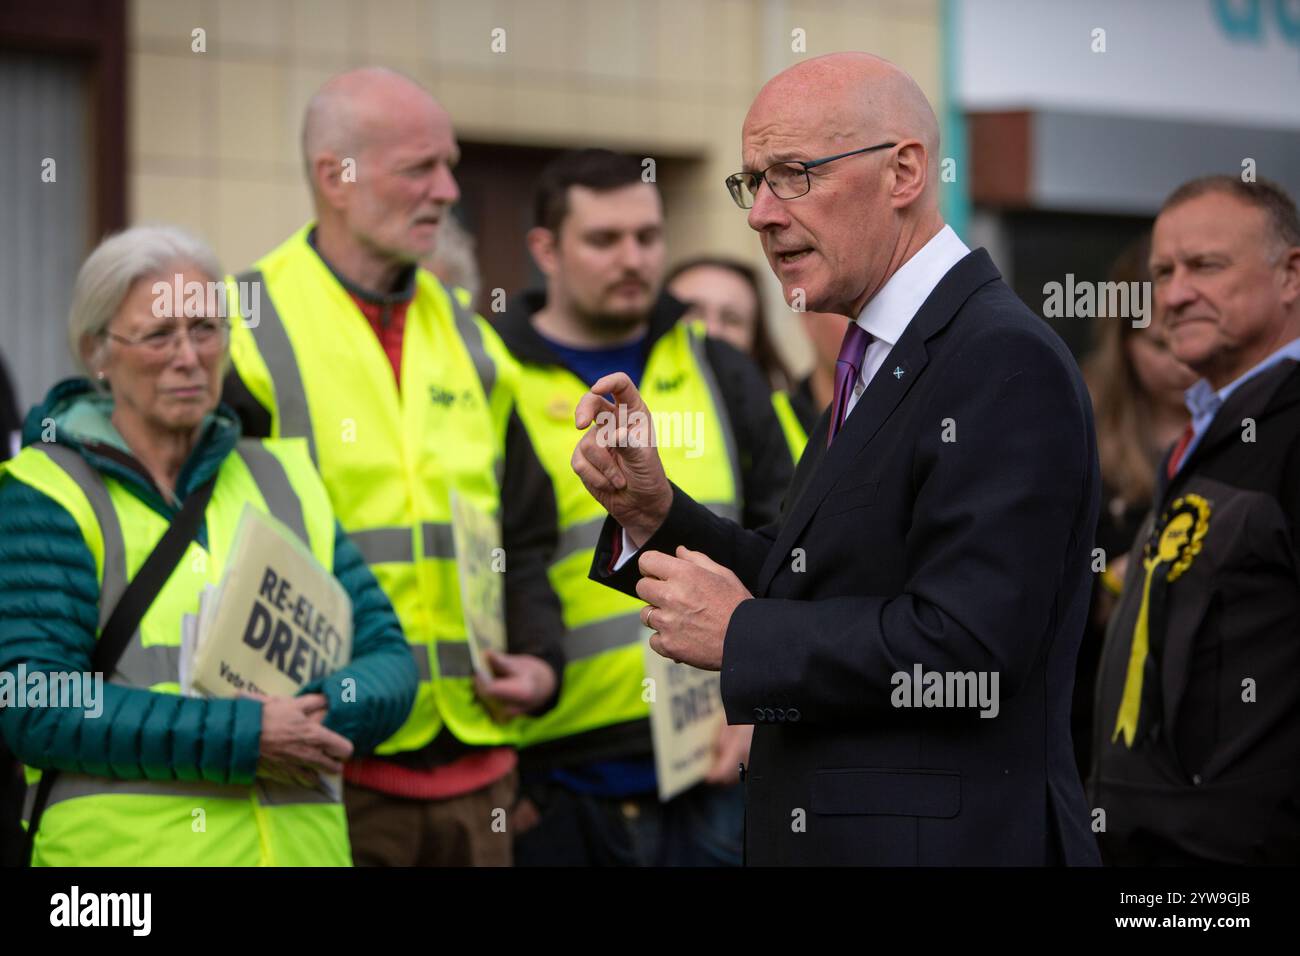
(1137, 395)
(724, 294)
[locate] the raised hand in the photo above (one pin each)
(617, 459)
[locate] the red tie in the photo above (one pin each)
(1180, 449)
(848, 366)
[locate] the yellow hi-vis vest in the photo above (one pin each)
(389, 459)
(605, 666)
(100, 821)
(795, 436)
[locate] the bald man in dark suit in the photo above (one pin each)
(904, 637)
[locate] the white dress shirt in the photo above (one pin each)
(888, 314)
(890, 311)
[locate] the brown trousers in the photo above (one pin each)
(469, 830)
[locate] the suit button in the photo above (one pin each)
(758, 715)
(769, 713)
(792, 714)
(780, 714)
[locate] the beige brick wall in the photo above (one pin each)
(214, 135)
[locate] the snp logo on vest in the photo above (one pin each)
(446, 398)
(103, 909)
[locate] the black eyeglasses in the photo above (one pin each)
(786, 180)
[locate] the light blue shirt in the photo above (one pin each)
(1204, 402)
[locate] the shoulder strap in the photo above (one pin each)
(128, 614)
(149, 580)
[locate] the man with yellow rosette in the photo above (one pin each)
(1196, 736)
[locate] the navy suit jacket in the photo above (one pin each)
(949, 525)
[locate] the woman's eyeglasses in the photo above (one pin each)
(205, 335)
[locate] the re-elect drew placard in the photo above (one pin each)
(480, 564)
(278, 620)
(686, 718)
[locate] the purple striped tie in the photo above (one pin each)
(847, 369)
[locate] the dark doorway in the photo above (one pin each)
(62, 169)
(496, 206)
(1046, 246)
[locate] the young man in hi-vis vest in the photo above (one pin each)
(590, 786)
(406, 398)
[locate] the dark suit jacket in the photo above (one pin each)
(950, 526)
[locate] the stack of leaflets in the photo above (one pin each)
(480, 567)
(277, 620)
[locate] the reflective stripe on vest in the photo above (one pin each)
(273, 342)
(579, 537)
(397, 545)
(274, 485)
(604, 664)
(113, 575)
(389, 456)
(71, 786)
(795, 436)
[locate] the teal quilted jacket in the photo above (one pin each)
(49, 606)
